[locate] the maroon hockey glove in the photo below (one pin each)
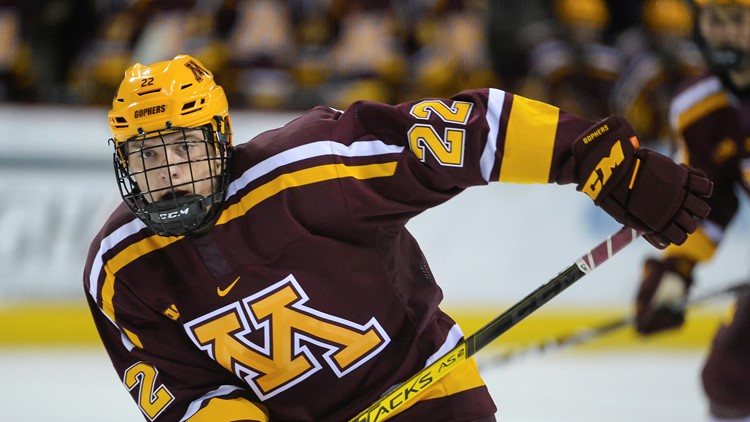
(659, 304)
(640, 188)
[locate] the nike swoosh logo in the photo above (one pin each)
(223, 292)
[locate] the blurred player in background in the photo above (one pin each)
(276, 279)
(711, 120)
(569, 62)
(659, 55)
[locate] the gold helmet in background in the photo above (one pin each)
(668, 17)
(587, 13)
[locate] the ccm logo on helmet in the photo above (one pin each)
(149, 111)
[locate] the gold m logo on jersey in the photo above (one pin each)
(288, 328)
(603, 171)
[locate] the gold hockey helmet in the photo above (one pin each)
(180, 91)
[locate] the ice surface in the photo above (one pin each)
(79, 385)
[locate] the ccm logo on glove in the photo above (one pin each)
(603, 171)
(640, 188)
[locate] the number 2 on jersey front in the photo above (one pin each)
(448, 150)
(152, 399)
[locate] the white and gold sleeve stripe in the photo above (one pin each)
(495, 103)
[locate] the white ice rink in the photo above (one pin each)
(78, 385)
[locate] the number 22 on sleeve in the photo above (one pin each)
(447, 149)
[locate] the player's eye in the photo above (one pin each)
(148, 153)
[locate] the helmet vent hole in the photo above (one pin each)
(186, 106)
(186, 86)
(148, 92)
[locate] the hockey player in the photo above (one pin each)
(711, 121)
(275, 279)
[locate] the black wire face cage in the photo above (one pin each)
(174, 179)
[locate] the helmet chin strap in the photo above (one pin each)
(178, 216)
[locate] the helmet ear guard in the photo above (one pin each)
(223, 134)
(153, 105)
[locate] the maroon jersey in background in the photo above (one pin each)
(712, 128)
(713, 132)
(309, 297)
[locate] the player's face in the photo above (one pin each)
(726, 29)
(173, 164)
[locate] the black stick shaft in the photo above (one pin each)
(547, 291)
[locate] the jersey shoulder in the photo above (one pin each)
(115, 235)
(696, 99)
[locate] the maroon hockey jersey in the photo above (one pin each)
(309, 298)
(712, 131)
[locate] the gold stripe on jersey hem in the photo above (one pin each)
(235, 409)
(304, 177)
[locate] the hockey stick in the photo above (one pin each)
(588, 333)
(422, 380)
